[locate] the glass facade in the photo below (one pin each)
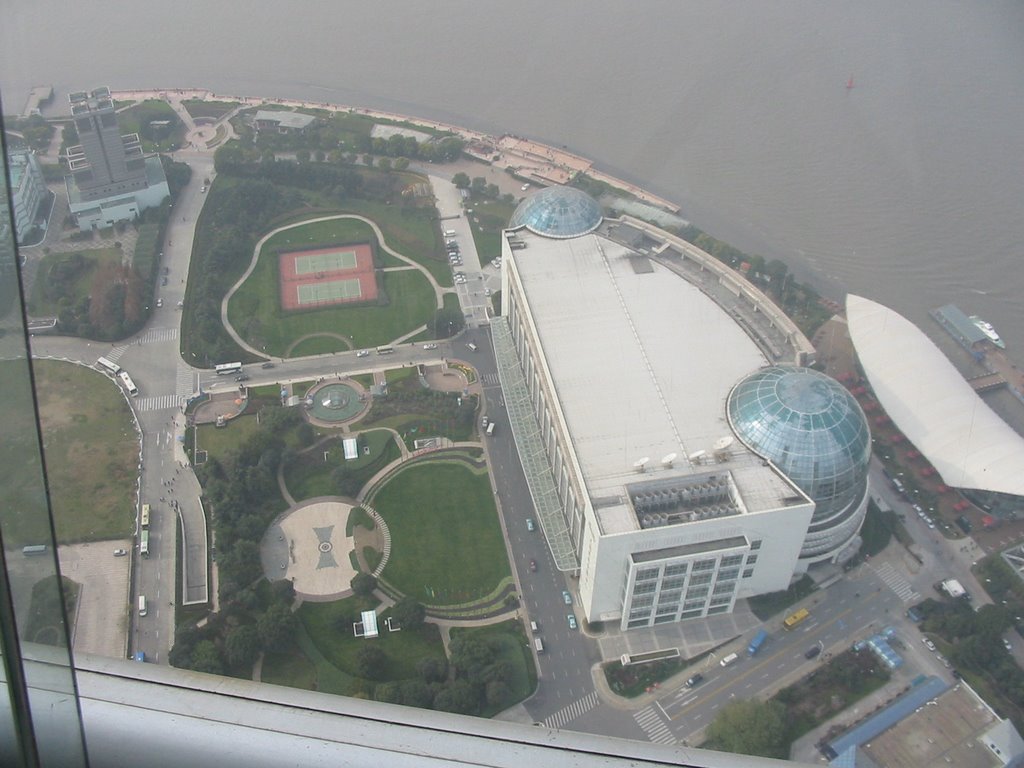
(811, 428)
(559, 212)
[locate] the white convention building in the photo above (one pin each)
(679, 453)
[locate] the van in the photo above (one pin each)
(449, 233)
(538, 644)
(490, 429)
(142, 605)
(533, 627)
(472, 347)
(725, 662)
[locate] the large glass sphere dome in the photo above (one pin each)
(811, 428)
(560, 212)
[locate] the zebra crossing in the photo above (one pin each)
(896, 582)
(491, 379)
(158, 403)
(571, 712)
(184, 382)
(115, 354)
(158, 334)
(651, 723)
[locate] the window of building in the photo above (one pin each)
(704, 578)
(675, 582)
(755, 544)
(748, 572)
(647, 574)
(751, 559)
(697, 592)
(731, 560)
(664, 619)
(704, 565)
(728, 575)
(691, 614)
(643, 601)
(645, 588)
(675, 569)
(638, 623)
(718, 609)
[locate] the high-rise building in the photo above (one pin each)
(28, 190)
(105, 163)
(111, 179)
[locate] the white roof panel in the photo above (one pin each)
(932, 404)
(642, 361)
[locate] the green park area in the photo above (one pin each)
(92, 452)
(511, 648)
(64, 280)
(406, 301)
(323, 471)
(445, 536)
(200, 108)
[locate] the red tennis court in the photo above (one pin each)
(341, 274)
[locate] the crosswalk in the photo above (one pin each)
(158, 403)
(184, 382)
(571, 712)
(158, 334)
(896, 582)
(115, 354)
(652, 724)
(490, 379)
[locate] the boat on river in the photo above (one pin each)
(988, 330)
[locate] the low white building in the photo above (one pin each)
(617, 372)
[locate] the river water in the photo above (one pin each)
(907, 188)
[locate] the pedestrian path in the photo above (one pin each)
(652, 724)
(491, 379)
(158, 403)
(184, 383)
(896, 582)
(571, 712)
(158, 334)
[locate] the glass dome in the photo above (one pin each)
(560, 212)
(811, 428)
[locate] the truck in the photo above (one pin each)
(757, 642)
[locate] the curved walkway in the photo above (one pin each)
(438, 290)
(329, 334)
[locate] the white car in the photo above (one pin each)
(525, 187)
(159, 302)
(430, 346)
(363, 353)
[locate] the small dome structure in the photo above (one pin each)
(811, 428)
(559, 212)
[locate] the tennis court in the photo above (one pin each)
(326, 261)
(318, 277)
(329, 291)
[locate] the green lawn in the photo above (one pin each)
(255, 311)
(309, 476)
(329, 626)
(319, 345)
(46, 295)
(446, 543)
(218, 442)
(202, 108)
(289, 668)
(91, 449)
(513, 646)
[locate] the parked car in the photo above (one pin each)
(120, 552)
(430, 346)
(571, 619)
(529, 523)
(159, 302)
(267, 364)
(566, 597)
(363, 353)
(928, 643)
(1007, 646)
(812, 652)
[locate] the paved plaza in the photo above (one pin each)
(308, 545)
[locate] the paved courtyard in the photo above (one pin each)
(308, 545)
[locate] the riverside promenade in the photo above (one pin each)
(531, 159)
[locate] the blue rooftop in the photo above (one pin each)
(559, 212)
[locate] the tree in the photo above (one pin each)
(478, 185)
(416, 693)
(206, 658)
(363, 584)
(401, 163)
(242, 646)
(368, 160)
(371, 661)
(433, 669)
(459, 696)
(460, 179)
(497, 692)
(409, 613)
(750, 727)
(276, 626)
(303, 155)
(389, 692)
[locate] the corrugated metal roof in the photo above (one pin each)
(932, 404)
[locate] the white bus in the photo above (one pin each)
(144, 543)
(385, 350)
(225, 369)
(109, 365)
(128, 383)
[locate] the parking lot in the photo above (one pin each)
(100, 622)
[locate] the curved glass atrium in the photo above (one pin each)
(559, 212)
(811, 428)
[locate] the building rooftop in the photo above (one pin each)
(642, 362)
(932, 404)
(296, 120)
(558, 212)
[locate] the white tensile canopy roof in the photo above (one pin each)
(932, 404)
